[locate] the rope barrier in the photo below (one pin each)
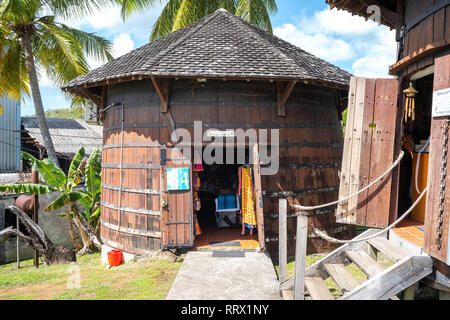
(324, 236)
(394, 165)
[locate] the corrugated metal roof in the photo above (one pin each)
(9, 136)
(68, 135)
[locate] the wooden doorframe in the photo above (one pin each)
(259, 197)
(441, 81)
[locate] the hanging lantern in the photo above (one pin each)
(410, 108)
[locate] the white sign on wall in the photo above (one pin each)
(441, 103)
(220, 134)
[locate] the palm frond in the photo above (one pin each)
(19, 11)
(14, 81)
(257, 12)
(164, 25)
(74, 9)
(130, 6)
(188, 12)
(178, 14)
(93, 45)
(59, 53)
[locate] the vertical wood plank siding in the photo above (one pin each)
(369, 151)
(310, 152)
(433, 30)
(441, 81)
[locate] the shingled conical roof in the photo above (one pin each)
(220, 45)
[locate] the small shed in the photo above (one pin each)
(68, 136)
(9, 135)
(231, 76)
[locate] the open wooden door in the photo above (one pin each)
(259, 197)
(369, 150)
(437, 223)
(176, 199)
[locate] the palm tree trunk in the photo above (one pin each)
(37, 99)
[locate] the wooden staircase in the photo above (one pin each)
(382, 283)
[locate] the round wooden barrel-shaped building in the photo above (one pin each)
(230, 76)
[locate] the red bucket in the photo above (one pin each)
(115, 258)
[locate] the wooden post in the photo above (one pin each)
(282, 240)
(35, 180)
(18, 243)
(408, 294)
(2, 226)
(259, 198)
(300, 257)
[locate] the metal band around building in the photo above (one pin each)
(306, 125)
(131, 166)
(132, 210)
(144, 233)
(299, 192)
(131, 190)
(132, 145)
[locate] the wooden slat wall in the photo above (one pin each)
(433, 30)
(441, 81)
(310, 135)
(145, 110)
(369, 151)
(177, 217)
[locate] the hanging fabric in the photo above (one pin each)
(197, 204)
(196, 181)
(197, 230)
(248, 204)
(198, 166)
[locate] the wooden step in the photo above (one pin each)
(365, 262)
(393, 280)
(388, 248)
(317, 289)
(287, 294)
(343, 278)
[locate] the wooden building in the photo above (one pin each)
(230, 75)
(380, 127)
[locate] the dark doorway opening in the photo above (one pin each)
(415, 144)
(219, 217)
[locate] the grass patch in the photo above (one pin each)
(135, 281)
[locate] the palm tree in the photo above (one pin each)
(180, 13)
(32, 41)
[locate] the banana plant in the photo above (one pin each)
(82, 204)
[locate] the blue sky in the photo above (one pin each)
(361, 47)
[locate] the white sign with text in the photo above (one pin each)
(441, 103)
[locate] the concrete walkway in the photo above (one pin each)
(204, 277)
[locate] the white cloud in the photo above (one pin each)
(364, 47)
(109, 22)
(122, 45)
(338, 22)
(377, 57)
(99, 19)
(319, 44)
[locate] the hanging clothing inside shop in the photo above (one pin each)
(197, 230)
(197, 204)
(247, 194)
